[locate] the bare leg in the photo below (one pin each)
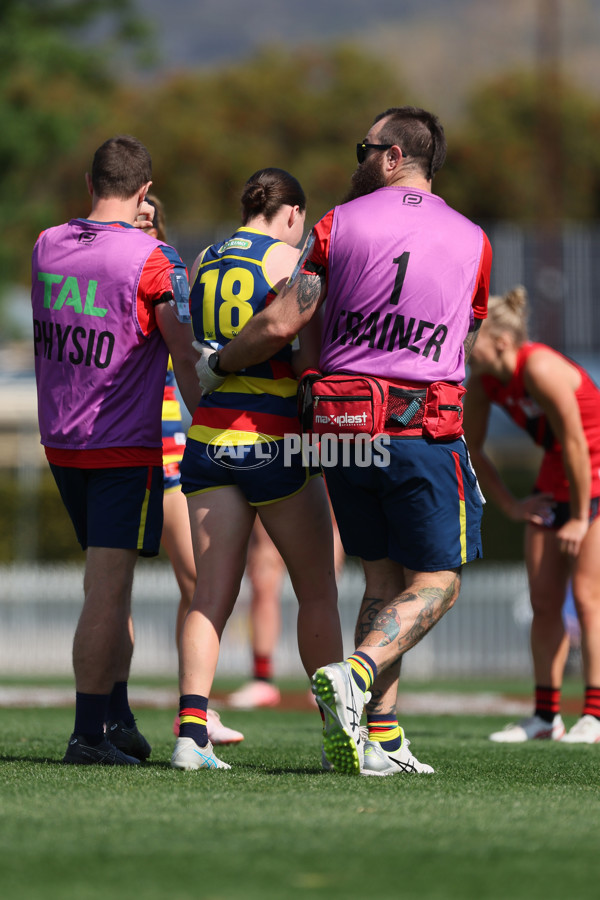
(266, 571)
(586, 593)
(418, 601)
(221, 522)
(127, 652)
(399, 608)
(548, 574)
(339, 555)
(307, 550)
(103, 642)
(177, 541)
(381, 586)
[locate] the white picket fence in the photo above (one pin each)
(485, 634)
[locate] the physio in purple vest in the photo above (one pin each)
(109, 304)
(405, 279)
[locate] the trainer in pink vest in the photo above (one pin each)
(402, 271)
(100, 379)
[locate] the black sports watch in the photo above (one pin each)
(213, 365)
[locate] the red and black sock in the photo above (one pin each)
(547, 702)
(591, 703)
(262, 668)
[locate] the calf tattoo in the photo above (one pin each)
(387, 626)
(388, 623)
(369, 611)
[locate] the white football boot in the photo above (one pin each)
(585, 731)
(530, 729)
(378, 761)
(187, 755)
(342, 703)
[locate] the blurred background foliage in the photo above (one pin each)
(208, 129)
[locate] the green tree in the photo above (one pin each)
(208, 131)
(498, 157)
(53, 88)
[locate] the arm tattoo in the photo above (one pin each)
(308, 291)
(469, 341)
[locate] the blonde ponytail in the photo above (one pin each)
(509, 313)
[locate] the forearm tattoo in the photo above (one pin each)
(388, 627)
(469, 341)
(308, 291)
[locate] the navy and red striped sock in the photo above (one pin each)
(192, 718)
(385, 730)
(364, 670)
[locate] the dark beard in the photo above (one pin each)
(366, 178)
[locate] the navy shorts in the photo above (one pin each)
(259, 470)
(560, 513)
(120, 508)
(423, 510)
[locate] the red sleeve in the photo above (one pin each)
(319, 253)
(482, 288)
(155, 281)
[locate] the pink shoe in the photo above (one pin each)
(217, 732)
(255, 694)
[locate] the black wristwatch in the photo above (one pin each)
(213, 365)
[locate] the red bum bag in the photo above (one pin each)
(361, 404)
(341, 404)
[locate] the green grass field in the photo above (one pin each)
(493, 822)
